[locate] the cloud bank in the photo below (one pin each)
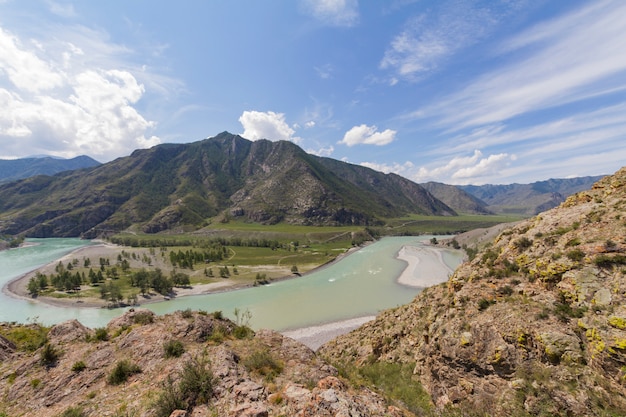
(55, 101)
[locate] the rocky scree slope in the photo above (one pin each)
(535, 324)
(180, 186)
(182, 364)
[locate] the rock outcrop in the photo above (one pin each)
(182, 364)
(535, 324)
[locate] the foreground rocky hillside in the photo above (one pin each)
(182, 364)
(534, 325)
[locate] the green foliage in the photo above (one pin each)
(242, 324)
(395, 381)
(187, 313)
(143, 318)
(218, 315)
(263, 363)
(123, 370)
(78, 366)
(576, 255)
(173, 349)
(73, 412)
(523, 243)
(48, 356)
(606, 261)
(195, 386)
(484, 304)
(101, 334)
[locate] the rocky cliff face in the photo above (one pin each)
(534, 325)
(184, 364)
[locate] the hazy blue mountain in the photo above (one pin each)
(15, 169)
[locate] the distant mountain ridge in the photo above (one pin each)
(528, 199)
(15, 169)
(457, 198)
(182, 185)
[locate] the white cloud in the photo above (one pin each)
(63, 10)
(465, 169)
(266, 125)
(325, 71)
(573, 58)
(368, 135)
(328, 151)
(333, 12)
(433, 37)
(59, 105)
(24, 68)
(404, 170)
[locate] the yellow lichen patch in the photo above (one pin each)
(617, 322)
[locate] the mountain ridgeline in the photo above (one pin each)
(179, 186)
(15, 169)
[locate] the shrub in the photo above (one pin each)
(173, 349)
(484, 304)
(48, 355)
(122, 371)
(218, 315)
(263, 363)
(195, 386)
(523, 243)
(143, 318)
(73, 412)
(576, 255)
(79, 366)
(101, 334)
(187, 313)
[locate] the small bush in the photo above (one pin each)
(122, 371)
(195, 386)
(484, 304)
(79, 366)
(101, 334)
(48, 355)
(143, 318)
(262, 362)
(576, 255)
(73, 412)
(187, 313)
(35, 383)
(173, 349)
(218, 315)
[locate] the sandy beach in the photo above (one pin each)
(316, 336)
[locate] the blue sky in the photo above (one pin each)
(455, 91)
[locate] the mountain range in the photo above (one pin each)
(15, 169)
(182, 186)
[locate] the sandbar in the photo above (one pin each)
(425, 268)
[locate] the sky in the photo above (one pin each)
(453, 91)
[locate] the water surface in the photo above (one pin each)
(361, 284)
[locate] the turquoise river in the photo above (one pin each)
(360, 284)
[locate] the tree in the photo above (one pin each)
(33, 287)
(294, 269)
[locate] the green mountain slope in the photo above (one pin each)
(533, 325)
(182, 185)
(455, 197)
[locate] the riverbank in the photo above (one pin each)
(18, 288)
